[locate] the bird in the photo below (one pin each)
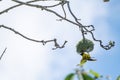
(85, 57)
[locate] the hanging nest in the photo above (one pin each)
(85, 45)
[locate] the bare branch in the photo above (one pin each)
(53, 5)
(46, 9)
(15, 6)
(12, 7)
(2, 53)
(76, 19)
(64, 8)
(89, 28)
(106, 47)
(38, 41)
(62, 5)
(84, 29)
(57, 45)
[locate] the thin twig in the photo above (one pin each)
(62, 5)
(38, 41)
(15, 6)
(16, 32)
(53, 5)
(83, 29)
(2, 53)
(76, 19)
(63, 9)
(106, 47)
(49, 10)
(57, 45)
(12, 7)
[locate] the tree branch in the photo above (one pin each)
(62, 5)
(2, 53)
(84, 29)
(106, 47)
(46, 9)
(12, 7)
(38, 41)
(20, 4)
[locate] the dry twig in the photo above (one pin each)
(84, 29)
(2, 53)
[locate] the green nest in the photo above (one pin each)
(85, 45)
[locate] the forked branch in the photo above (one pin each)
(38, 41)
(83, 29)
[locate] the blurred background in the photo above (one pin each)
(27, 60)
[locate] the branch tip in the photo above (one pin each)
(3, 53)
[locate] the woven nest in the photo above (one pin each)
(85, 45)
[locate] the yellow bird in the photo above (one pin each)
(85, 57)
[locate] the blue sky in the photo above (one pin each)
(26, 60)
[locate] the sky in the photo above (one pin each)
(27, 60)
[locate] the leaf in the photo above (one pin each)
(70, 76)
(94, 73)
(118, 78)
(87, 77)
